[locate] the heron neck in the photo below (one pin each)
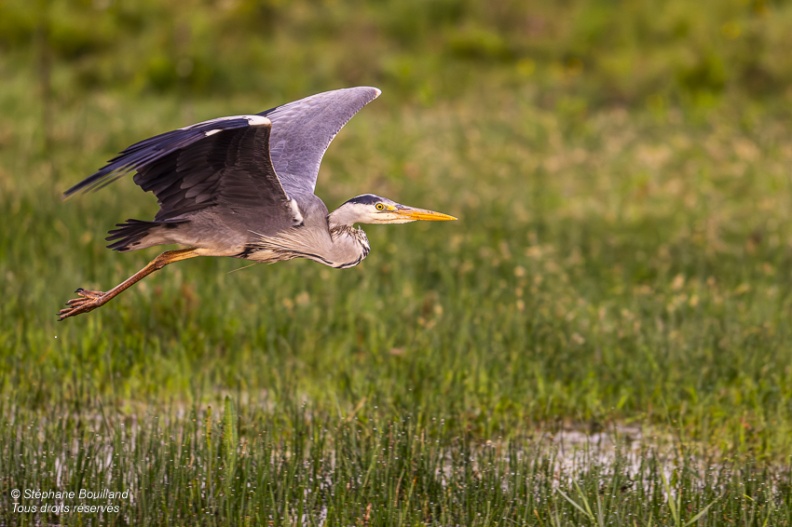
(350, 246)
(343, 217)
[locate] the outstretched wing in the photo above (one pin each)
(222, 162)
(302, 130)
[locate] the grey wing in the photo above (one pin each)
(223, 162)
(302, 130)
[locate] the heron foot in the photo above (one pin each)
(87, 301)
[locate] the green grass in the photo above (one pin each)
(601, 272)
(255, 469)
(621, 261)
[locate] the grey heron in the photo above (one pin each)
(243, 186)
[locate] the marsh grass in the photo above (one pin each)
(621, 269)
(217, 466)
(621, 260)
(626, 268)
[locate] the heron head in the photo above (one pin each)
(369, 208)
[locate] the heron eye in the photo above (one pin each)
(380, 206)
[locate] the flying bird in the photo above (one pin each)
(243, 186)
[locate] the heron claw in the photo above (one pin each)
(88, 301)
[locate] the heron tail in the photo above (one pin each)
(131, 234)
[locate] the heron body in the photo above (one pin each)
(243, 186)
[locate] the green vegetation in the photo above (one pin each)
(251, 470)
(622, 177)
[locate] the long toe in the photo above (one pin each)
(86, 293)
(73, 310)
(88, 301)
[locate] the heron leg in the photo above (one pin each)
(90, 300)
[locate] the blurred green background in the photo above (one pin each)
(620, 170)
(585, 53)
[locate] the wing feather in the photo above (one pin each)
(223, 162)
(302, 130)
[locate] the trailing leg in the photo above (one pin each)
(90, 300)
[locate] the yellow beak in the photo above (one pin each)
(421, 214)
